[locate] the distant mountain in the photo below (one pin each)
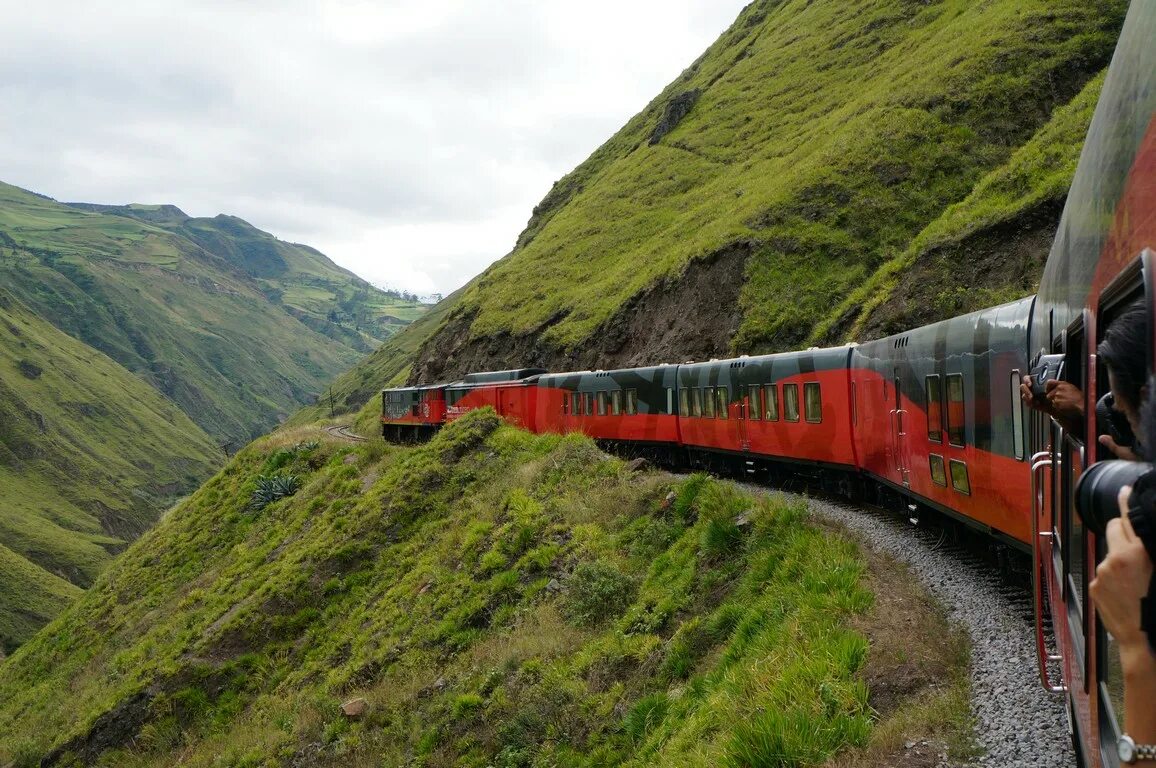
(236, 327)
(89, 457)
(329, 299)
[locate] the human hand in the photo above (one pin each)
(1122, 580)
(1065, 400)
(1124, 452)
(1027, 397)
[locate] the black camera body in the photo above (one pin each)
(1111, 422)
(1098, 491)
(1048, 367)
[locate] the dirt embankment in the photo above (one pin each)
(692, 316)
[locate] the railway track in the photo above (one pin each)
(342, 432)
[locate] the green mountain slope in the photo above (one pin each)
(193, 321)
(797, 160)
(495, 598)
(89, 456)
(327, 298)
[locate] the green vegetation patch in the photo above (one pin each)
(494, 597)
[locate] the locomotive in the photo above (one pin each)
(933, 415)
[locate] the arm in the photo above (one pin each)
(1062, 400)
(1122, 580)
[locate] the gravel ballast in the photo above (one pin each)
(1017, 722)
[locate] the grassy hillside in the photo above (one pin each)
(327, 298)
(815, 148)
(190, 320)
(89, 457)
(496, 598)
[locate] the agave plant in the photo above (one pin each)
(270, 488)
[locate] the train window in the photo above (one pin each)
(684, 402)
(771, 392)
(600, 401)
(722, 395)
(616, 402)
(959, 479)
(670, 400)
(631, 402)
(696, 402)
(938, 473)
(934, 410)
(955, 413)
(589, 399)
(708, 402)
(791, 402)
(754, 402)
(1017, 416)
(812, 402)
(576, 403)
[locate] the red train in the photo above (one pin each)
(932, 415)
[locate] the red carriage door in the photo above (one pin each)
(899, 451)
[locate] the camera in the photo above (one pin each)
(1047, 368)
(1111, 422)
(1099, 488)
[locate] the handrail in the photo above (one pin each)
(1039, 461)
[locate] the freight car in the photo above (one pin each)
(931, 416)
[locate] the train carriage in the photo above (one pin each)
(410, 414)
(513, 394)
(632, 406)
(1101, 260)
(938, 417)
(793, 406)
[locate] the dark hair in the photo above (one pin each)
(1125, 351)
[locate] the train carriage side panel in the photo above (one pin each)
(939, 415)
(793, 406)
(632, 405)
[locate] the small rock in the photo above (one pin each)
(425, 588)
(440, 684)
(637, 465)
(354, 708)
(553, 585)
(350, 459)
(908, 744)
(743, 520)
(668, 502)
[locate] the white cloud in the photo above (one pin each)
(407, 139)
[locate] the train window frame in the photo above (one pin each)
(954, 429)
(817, 416)
(616, 402)
(938, 469)
(576, 406)
(708, 402)
(632, 402)
(1134, 282)
(600, 404)
(696, 402)
(791, 402)
(1017, 412)
(684, 402)
(934, 424)
(722, 402)
(771, 402)
(963, 486)
(588, 399)
(755, 402)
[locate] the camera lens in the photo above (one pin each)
(1099, 488)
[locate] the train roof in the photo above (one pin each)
(492, 377)
(739, 362)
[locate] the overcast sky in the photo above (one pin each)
(408, 140)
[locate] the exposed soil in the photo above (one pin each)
(691, 316)
(962, 277)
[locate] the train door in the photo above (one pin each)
(1132, 285)
(899, 450)
(746, 408)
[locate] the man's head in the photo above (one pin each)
(1124, 351)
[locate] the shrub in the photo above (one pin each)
(270, 488)
(642, 718)
(598, 591)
